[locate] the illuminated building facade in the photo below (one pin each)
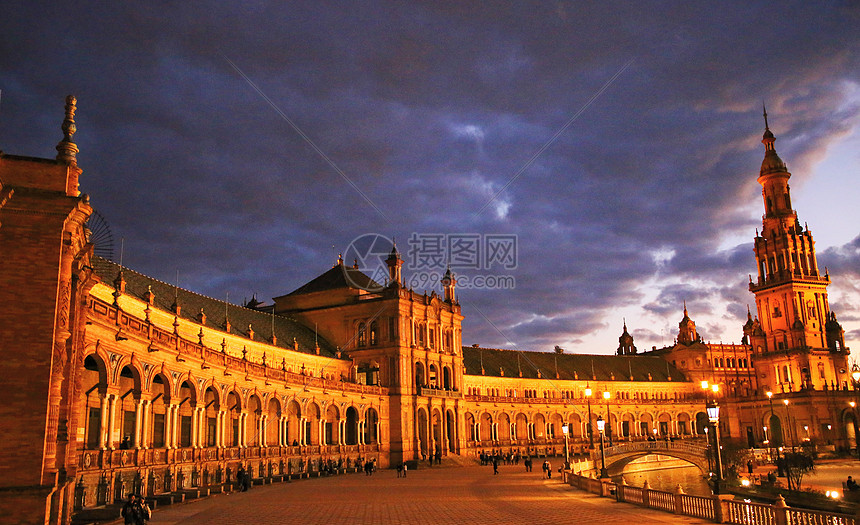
(117, 382)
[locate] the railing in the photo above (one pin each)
(693, 448)
(438, 392)
(719, 509)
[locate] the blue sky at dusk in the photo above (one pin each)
(245, 145)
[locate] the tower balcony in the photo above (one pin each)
(785, 277)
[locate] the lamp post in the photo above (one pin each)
(855, 375)
(600, 427)
(564, 430)
(606, 396)
(590, 428)
(767, 442)
(714, 417)
(790, 429)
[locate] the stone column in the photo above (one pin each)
(111, 420)
(138, 422)
(104, 430)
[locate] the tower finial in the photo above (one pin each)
(764, 111)
(67, 150)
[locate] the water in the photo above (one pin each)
(690, 479)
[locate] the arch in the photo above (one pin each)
(574, 426)
(447, 384)
(554, 428)
(211, 404)
(294, 414)
(539, 426)
(273, 422)
(252, 420)
(312, 427)
(234, 411)
(436, 429)
(521, 426)
(331, 425)
(628, 425)
(470, 426)
(774, 427)
(420, 380)
(664, 422)
(451, 427)
(371, 423)
(503, 423)
(646, 424)
(187, 403)
(94, 382)
(421, 433)
(159, 391)
(684, 424)
(432, 376)
(486, 427)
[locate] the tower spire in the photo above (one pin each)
(67, 150)
(764, 111)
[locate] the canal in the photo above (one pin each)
(665, 474)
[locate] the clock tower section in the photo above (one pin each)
(796, 341)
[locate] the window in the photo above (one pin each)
(776, 312)
(362, 336)
(374, 333)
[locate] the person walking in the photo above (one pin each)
(495, 465)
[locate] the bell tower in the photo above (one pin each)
(799, 344)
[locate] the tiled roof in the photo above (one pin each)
(190, 304)
(569, 366)
(340, 276)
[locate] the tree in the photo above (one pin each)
(796, 465)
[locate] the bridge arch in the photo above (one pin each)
(619, 456)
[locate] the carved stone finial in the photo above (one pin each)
(67, 151)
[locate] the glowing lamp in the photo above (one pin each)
(601, 424)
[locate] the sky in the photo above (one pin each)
(577, 164)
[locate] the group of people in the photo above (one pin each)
(369, 467)
(243, 478)
(136, 510)
(401, 469)
(499, 458)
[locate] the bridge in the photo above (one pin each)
(618, 456)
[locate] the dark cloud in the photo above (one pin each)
(430, 109)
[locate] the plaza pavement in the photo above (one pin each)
(429, 496)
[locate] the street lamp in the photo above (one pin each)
(606, 396)
(564, 430)
(790, 429)
(601, 424)
(855, 375)
(714, 417)
(590, 428)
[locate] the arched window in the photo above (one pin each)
(374, 333)
(362, 336)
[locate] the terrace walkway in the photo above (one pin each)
(442, 496)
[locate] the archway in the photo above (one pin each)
(255, 412)
(504, 427)
(332, 421)
(775, 430)
(187, 404)
(351, 426)
(273, 422)
(94, 386)
(212, 404)
(701, 423)
(294, 414)
(129, 387)
(486, 428)
(234, 409)
(371, 422)
(451, 427)
(421, 434)
(521, 427)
